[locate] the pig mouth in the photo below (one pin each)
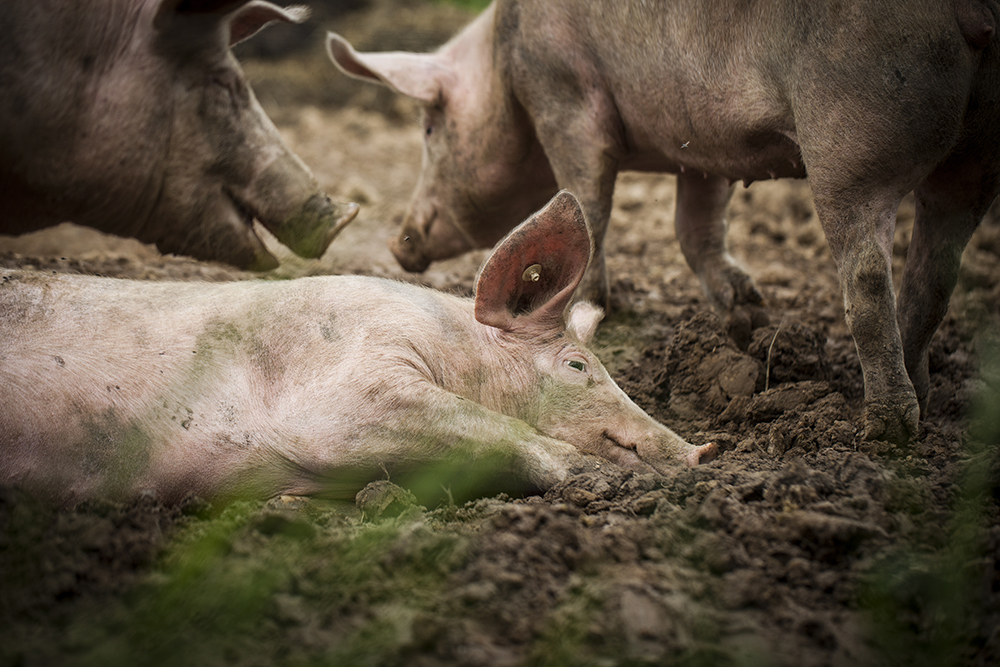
(623, 455)
(243, 211)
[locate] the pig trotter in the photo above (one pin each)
(921, 378)
(894, 419)
(735, 298)
(727, 285)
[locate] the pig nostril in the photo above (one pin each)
(704, 454)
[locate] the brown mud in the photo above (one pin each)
(800, 545)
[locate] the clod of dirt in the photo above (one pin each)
(705, 370)
(790, 353)
(383, 500)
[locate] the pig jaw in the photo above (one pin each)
(283, 195)
(225, 231)
(475, 216)
(248, 173)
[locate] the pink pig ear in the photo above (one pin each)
(525, 285)
(583, 320)
(422, 76)
(255, 16)
(245, 17)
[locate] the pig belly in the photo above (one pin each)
(115, 436)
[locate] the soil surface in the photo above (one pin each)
(800, 545)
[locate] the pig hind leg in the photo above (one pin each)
(859, 230)
(701, 230)
(950, 205)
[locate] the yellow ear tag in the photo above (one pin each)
(532, 274)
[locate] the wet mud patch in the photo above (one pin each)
(799, 545)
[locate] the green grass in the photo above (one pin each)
(925, 601)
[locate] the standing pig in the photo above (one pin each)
(314, 386)
(873, 98)
(133, 117)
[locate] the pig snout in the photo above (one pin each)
(427, 236)
(313, 226)
(656, 454)
(702, 454)
(407, 248)
(666, 453)
(286, 199)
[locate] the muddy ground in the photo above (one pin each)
(800, 545)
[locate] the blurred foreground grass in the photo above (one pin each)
(928, 603)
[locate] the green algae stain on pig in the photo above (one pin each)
(112, 452)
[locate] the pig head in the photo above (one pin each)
(317, 385)
(135, 118)
(872, 98)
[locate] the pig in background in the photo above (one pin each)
(316, 385)
(134, 118)
(872, 98)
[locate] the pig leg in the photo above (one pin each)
(595, 286)
(577, 126)
(946, 219)
(591, 177)
(701, 230)
(859, 230)
(428, 425)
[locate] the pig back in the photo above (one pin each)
(714, 84)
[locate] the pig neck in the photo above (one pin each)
(485, 96)
(494, 368)
(511, 382)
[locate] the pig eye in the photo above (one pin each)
(577, 365)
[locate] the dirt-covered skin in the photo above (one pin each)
(800, 545)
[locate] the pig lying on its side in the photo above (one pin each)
(112, 387)
(134, 118)
(871, 98)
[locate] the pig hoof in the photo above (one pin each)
(741, 322)
(702, 454)
(896, 422)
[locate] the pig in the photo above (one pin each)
(872, 99)
(134, 118)
(115, 388)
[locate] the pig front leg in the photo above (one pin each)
(428, 426)
(860, 239)
(587, 167)
(700, 223)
